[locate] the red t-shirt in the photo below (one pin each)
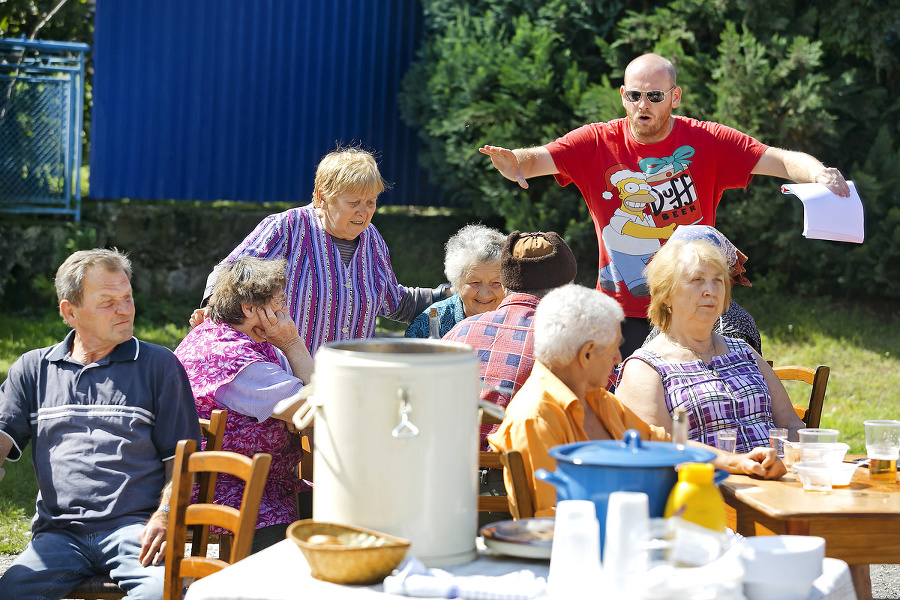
(679, 180)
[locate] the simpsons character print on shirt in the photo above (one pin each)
(654, 199)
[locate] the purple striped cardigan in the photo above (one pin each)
(328, 301)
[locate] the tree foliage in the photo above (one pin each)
(57, 21)
(819, 77)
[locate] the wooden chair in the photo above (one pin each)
(242, 522)
(519, 504)
(811, 414)
(102, 587)
(213, 431)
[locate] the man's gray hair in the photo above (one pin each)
(569, 317)
(471, 247)
(70, 275)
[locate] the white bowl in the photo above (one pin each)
(815, 476)
(842, 473)
(781, 567)
(831, 452)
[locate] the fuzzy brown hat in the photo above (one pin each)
(536, 261)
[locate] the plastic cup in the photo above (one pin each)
(793, 453)
(882, 448)
(832, 453)
(818, 436)
(727, 440)
(625, 556)
(815, 476)
(777, 438)
(575, 554)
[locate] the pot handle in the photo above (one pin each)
(492, 409)
(562, 485)
(405, 429)
(305, 414)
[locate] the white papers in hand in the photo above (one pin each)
(827, 216)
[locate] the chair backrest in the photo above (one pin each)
(811, 415)
(182, 513)
(102, 587)
(213, 430)
(519, 503)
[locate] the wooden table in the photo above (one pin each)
(860, 523)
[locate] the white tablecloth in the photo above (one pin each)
(281, 573)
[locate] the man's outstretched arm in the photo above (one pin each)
(521, 164)
(801, 168)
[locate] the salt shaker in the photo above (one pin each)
(434, 330)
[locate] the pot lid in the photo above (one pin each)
(630, 451)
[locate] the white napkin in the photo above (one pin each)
(415, 579)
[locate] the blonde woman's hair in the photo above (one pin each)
(668, 267)
(347, 169)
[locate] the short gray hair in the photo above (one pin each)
(569, 317)
(69, 280)
(471, 247)
(247, 280)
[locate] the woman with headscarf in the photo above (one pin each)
(735, 322)
(721, 382)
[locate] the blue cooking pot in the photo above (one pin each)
(593, 470)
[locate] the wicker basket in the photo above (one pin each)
(348, 563)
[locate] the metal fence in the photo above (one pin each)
(41, 112)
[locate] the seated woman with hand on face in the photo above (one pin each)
(722, 382)
(247, 357)
(472, 265)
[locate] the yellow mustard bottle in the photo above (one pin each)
(696, 498)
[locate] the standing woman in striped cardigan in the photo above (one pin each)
(339, 274)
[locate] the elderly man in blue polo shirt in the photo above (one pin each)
(104, 413)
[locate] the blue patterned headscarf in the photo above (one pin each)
(734, 257)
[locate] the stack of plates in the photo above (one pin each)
(525, 538)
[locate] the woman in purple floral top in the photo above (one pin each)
(247, 357)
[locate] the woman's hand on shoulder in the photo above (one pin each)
(762, 462)
(198, 316)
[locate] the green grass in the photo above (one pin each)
(859, 343)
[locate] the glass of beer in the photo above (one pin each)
(882, 448)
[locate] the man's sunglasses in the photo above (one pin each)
(654, 96)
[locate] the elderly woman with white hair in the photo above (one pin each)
(577, 333)
(472, 266)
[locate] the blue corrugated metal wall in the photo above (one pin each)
(239, 99)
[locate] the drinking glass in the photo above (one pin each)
(728, 440)
(882, 448)
(818, 436)
(777, 438)
(792, 454)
